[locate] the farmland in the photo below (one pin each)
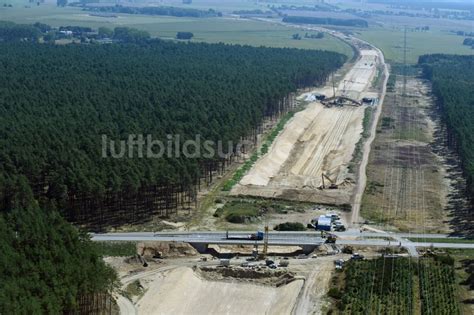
(398, 286)
(211, 30)
(390, 40)
(387, 32)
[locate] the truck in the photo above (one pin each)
(258, 236)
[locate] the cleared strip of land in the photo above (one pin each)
(318, 140)
(413, 179)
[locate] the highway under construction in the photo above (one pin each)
(312, 159)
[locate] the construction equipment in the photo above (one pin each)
(330, 238)
(340, 101)
(332, 185)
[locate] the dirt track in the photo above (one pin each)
(317, 140)
(362, 172)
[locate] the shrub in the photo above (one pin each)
(335, 293)
(290, 226)
(444, 259)
(184, 35)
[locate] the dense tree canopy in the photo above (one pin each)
(453, 84)
(46, 265)
(56, 102)
(184, 35)
(10, 31)
(161, 10)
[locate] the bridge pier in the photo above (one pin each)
(200, 247)
(308, 249)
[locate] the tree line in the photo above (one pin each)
(325, 21)
(12, 32)
(469, 42)
(162, 10)
(453, 84)
(56, 102)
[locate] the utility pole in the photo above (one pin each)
(333, 85)
(265, 241)
(405, 62)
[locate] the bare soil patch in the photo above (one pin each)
(183, 291)
(316, 141)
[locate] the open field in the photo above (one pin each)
(317, 141)
(391, 42)
(225, 6)
(212, 30)
(408, 185)
(387, 31)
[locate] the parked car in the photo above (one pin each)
(339, 263)
(357, 256)
(269, 262)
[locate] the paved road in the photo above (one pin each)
(285, 239)
(236, 238)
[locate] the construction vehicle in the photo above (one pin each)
(330, 238)
(332, 184)
(254, 237)
(339, 227)
(328, 183)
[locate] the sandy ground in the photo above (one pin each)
(316, 140)
(321, 136)
(181, 291)
(312, 298)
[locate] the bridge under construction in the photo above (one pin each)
(308, 241)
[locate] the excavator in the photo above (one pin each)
(332, 183)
